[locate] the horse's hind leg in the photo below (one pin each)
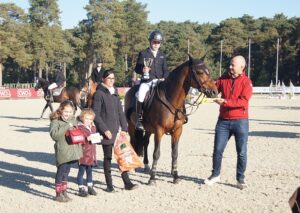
(156, 155)
(175, 141)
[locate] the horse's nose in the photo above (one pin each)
(214, 93)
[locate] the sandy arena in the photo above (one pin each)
(27, 167)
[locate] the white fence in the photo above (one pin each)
(276, 90)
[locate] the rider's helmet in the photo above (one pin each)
(156, 35)
(58, 67)
(99, 61)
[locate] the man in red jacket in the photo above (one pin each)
(236, 90)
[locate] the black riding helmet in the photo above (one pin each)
(99, 60)
(156, 35)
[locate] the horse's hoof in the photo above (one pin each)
(152, 182)
(147, 169)
(176, 180)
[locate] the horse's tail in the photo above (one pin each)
(129, 112)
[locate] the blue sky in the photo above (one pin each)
(200, 11)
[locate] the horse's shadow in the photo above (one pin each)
(27, 129)
(31, 156)
(162, 175)
(20, 177)
(274, 134)
(20, 118)
(274, 122)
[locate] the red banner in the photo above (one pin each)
(21, 93)
(31, 93)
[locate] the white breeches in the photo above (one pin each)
(144, 88)
(52, 86)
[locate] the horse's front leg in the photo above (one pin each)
(45, 107)
(175, 141)
(156, 154)
(146, 159)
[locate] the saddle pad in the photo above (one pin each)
(57, 91)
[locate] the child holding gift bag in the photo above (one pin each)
(88, 160)
(66, 155)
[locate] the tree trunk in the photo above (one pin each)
(1, 68)
(90, 70)
(40, 72)
(65, 72)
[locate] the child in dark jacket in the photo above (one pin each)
(86, 163)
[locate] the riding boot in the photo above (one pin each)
(127, 182)
(139, 112)
(51, 96)
(47, 96)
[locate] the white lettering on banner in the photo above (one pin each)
(40, 93)
(23, 93)
(5, 93)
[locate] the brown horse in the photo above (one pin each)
(69, 93)
(166, 114)
(87, 93)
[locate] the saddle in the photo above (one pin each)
(149, 96)
(57, 91)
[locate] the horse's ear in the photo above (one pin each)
(203, 57)
(190, 57)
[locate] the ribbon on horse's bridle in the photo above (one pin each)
(182, 109)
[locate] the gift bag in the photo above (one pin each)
(75, 136)
(125, 154)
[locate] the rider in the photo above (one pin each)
(59, 81)
(97, 73)
(152, 65)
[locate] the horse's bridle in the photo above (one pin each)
(194, 76)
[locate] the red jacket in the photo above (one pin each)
(88, 149)
(237, 93)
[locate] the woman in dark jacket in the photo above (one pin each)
(109, 119)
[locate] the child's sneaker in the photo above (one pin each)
(82, 192)
(91, 191)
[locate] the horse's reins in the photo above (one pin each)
(180, 110)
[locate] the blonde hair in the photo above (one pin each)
(57, 113)
(86, 112)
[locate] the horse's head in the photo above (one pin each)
(37, 84)
(200, 78)
(41, 83)
(86, 93)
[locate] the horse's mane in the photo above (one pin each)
(174, 73)
(43, 81)
(177, 70)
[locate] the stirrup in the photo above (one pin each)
(139, 125)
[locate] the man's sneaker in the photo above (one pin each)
(212, 179)
(241, 184)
